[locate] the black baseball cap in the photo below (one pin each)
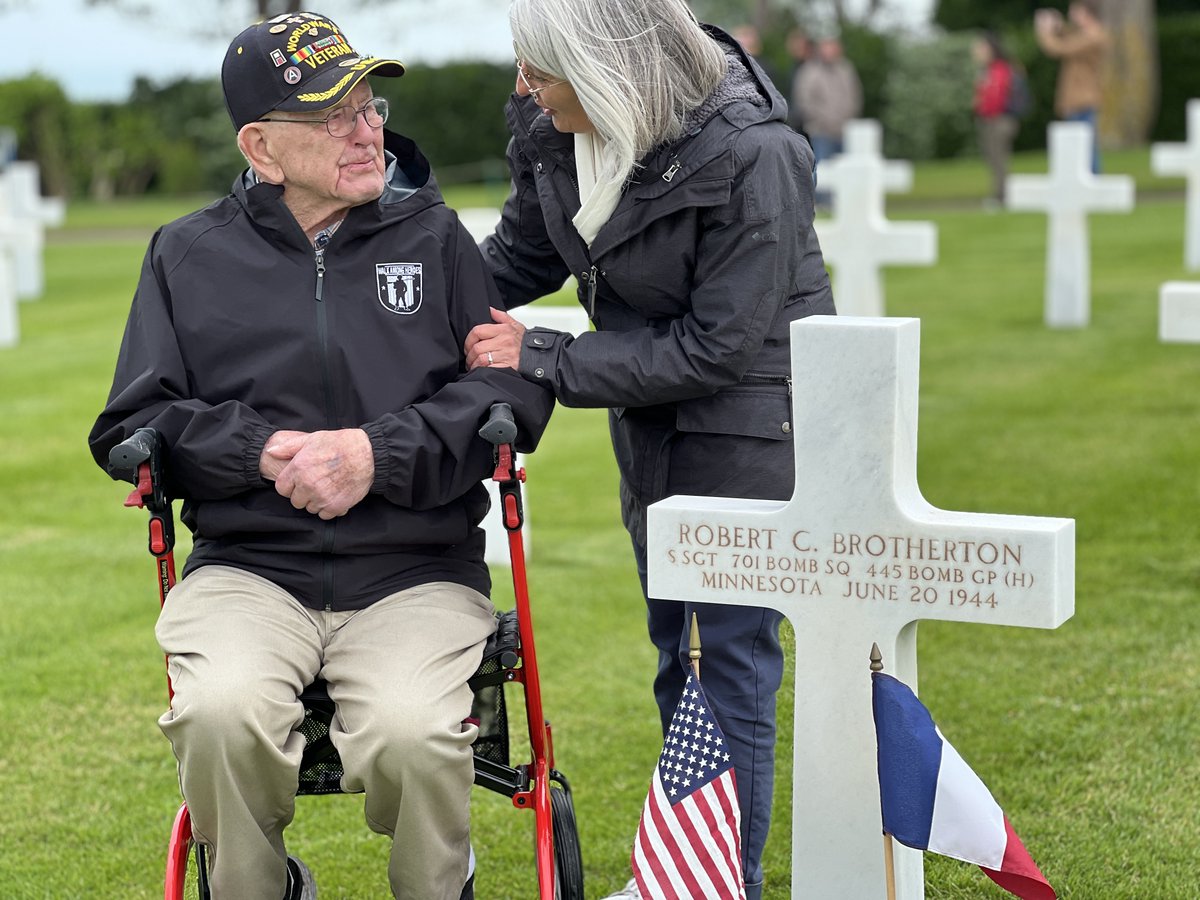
(294, 62)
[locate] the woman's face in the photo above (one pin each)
(556, 99)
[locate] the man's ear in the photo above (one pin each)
(256, 145)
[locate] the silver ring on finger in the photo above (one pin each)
(490, 360)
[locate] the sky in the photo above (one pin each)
(95, 52)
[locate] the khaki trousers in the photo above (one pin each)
(240, 650)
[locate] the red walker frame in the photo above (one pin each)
(529, 786)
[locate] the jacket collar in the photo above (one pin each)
(409, 188)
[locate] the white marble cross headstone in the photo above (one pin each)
(859, 239)
(32, 214)
(1184, 159)
(856, 556)
(1069, 193)
(10, 326)
(1179, 312)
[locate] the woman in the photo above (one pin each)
(994, 118)
(651, 158)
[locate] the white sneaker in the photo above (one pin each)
(629, 892)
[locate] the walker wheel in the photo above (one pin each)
(568, 861)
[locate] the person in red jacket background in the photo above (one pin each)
(995, 119)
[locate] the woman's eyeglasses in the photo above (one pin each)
(535, 84)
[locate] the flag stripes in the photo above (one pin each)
(932, 800)
(688, 844)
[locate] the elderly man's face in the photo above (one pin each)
(321, 171)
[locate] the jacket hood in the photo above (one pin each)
(745, 80)
(409, 188)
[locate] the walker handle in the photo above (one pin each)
(500, 428)
(124, 459)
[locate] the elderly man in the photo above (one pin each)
(298, 345)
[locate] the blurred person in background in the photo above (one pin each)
(995, 118)
(830, 95)
(750, 39)
(799, 48)
(1080, 42)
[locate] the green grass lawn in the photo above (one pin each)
(1086, 735)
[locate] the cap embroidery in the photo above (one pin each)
(325, 95)
(308, 28)
(322, 51)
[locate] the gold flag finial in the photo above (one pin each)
(876, 659)
(694, 647)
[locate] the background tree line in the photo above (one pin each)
(175, 137)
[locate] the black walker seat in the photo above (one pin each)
(321, 767)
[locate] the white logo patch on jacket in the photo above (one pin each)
(399, 287)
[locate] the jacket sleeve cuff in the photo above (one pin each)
(539, 355)
(383, 459)
(252, 455)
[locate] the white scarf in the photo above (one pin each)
(588, 148)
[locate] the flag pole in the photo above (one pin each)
(694, 647)
(889, 861)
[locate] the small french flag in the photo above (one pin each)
(932, 800)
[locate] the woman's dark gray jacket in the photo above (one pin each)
(691, 286)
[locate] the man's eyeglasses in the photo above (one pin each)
(535, 84)
(343, 120)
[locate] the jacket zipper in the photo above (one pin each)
(755, 378)
(327, 383)
(675, 166)
(589, 278)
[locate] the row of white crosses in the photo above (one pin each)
(24, 216)
(859, 240)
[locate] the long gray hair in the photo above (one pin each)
(637, 66)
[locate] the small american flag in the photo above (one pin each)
(688, 845)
